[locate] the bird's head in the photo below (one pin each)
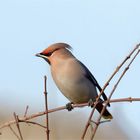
(55, 51)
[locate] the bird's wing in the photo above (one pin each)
(93, 80)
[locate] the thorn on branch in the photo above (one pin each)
(107, 84)
(128, 57)
(126, 68)
(118, 68)
(130, 99)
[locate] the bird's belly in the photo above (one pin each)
(77, 90)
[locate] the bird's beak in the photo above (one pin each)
(38, 55)
(43, 56)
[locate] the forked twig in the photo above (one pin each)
(114, 88)
(106, 84)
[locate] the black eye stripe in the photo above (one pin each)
(50, 53)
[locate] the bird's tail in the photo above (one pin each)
(106, 114)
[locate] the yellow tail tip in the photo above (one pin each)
(109, 117)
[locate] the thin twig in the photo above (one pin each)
(46, 107)
(114, 88)
(31, 122)
(26, 110)
(104, 87)
(91, 126)
(14, 132)
(129, 99)
(94, 122)
(17, 124)
(34, 116)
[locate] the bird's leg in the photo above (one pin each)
(69, 106)
(90, 103)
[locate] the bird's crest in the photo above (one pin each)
(55, 47)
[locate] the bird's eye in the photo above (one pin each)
(49, 54)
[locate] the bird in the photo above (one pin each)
(72, 77)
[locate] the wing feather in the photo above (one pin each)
(93, 80)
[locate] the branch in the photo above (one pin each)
(25, 119)
(113, 90)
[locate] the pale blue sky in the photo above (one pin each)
(101, 33)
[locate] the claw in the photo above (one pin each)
(69, 106)
(90, 103)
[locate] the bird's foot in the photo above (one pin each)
(69, 106)
(90, 103)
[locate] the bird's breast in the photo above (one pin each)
(71, 81)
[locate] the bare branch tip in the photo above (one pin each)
(138, 45)
(26, 111)
(45, 77)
